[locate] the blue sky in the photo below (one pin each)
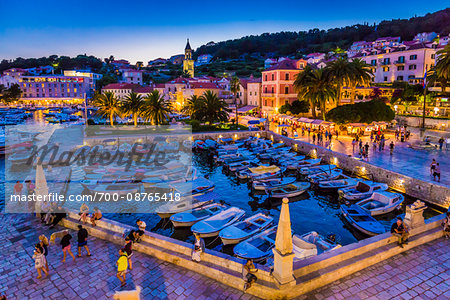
(144, 30)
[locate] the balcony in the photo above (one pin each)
(399, 62)
(384, 63)
(268, 94)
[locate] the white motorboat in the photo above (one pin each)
(243, 230)
(211, 226)
(257, 247)
(363, 189)
(196, 187)
(242, 165)
(311, 244)
(306, 171)
(362, 220)
(290, 190)
(335, 184)
(187, 203)
(381, 202)
(18, 158)
(325, 175)
(305, 163)
(258, 171)
(187, 219)
(120, 189)
(269, 184)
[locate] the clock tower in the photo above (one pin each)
(188, 62)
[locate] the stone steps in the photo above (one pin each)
(313, 280)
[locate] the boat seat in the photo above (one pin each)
(301, 243)
(373, 204)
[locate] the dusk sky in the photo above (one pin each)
(144, 30)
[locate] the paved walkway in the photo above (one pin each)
(94, 277)
(420, 273)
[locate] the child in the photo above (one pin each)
(122, 266)
(39, 261)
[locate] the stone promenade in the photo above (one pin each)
(91, 277)
(420, 273)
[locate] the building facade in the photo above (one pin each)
(132, 76)
(92, 77)
(254, 92)
(120, 90)
(277, 86)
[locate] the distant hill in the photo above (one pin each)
(315, 40)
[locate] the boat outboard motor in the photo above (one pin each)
(331, 237)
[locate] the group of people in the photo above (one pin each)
(402, 134)
(435, 170)
(378, 143)
(84, 214)
(41, 249)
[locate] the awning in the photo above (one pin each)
(246, 108)
(253, 122)
(357, 125)
(317, 122)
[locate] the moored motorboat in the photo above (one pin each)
(257, 247)
(243, 230)
(290, 190)
(311, 244)
(362, 220)
(187, 219)
(269, 184)
(306, 171)
(120, 189)
(325, 175)
(335, 184)
(187, 203)
(363, 189)
(381, 202)
(195, 187)
(211, 226)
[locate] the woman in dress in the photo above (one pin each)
(199, 248)
(39, 261)
(84, 211)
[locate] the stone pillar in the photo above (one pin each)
(41, 187)
(283, 256)
(414, 215)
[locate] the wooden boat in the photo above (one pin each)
(257, 247)
(257, 171)
(311, 244)
(290, 190)
(243, 230)
(335, 184)
(187, 219)
(290, 159)
(309, 163)
(306, 171)
(18, 158)
(211, 226)
(363, 189)
(269, 184)
(168, 179)
(242, 165)
(187, 203)
(325, 175)
(362, 220)
(195, 187)
(381, 202)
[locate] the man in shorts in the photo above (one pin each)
(122, 266)
(82, 240)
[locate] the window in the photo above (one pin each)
(413, 57)
(286, 102)
(287, 76)
(265, 102)
(411, 77)
(412, 67)
(250, 93)
(385, 78)
(272, 90)
(387, 61)
(385, 69)
(399, 78)
(400, 68)
(265, 90)
(433, 56)
(373, 62)
(273, 77)
(286, 90)
(265, 77)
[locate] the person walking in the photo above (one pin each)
(353, 145)
(432, 166)
(399, 230)
(122, 266)
(314, 138)
(82, 240)
(43, 242)
(39, 261)
(129, 250)
(391, 147)
(65, 245)
(437, 173)
(366, 147)
(441, 143)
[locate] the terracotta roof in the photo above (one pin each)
(204, 85)
(160, 86)
(179, 80)
(287, 64)
(121, 86)
(144, 89)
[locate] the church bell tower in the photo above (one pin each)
(188, 62)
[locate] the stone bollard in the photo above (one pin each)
(283, 256)
(414, 215)
(128, 295)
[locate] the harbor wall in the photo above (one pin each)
(434, 193)
(442, 124)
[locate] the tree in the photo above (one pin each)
(443, 63)
(156, 109)
(213, 109)
(133, 105)
(315, 86)
(193, 107)
(361, 75)
(364, 112)
(185, 74)
(376, 93)
(13, 93)
(340, 71)
(108, 106)
(234, 88)
(298, 107)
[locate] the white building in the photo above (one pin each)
(92, 77)
(132, 76)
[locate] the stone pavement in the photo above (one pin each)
(91, 277)
(420, 273)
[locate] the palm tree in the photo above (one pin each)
(133, 105)
(193, 106)
(315, 86)
(361, 75)
(108, 106)
(234, 88)
(156, 109)
(443, 67)
(213, 109)
(341, 72)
